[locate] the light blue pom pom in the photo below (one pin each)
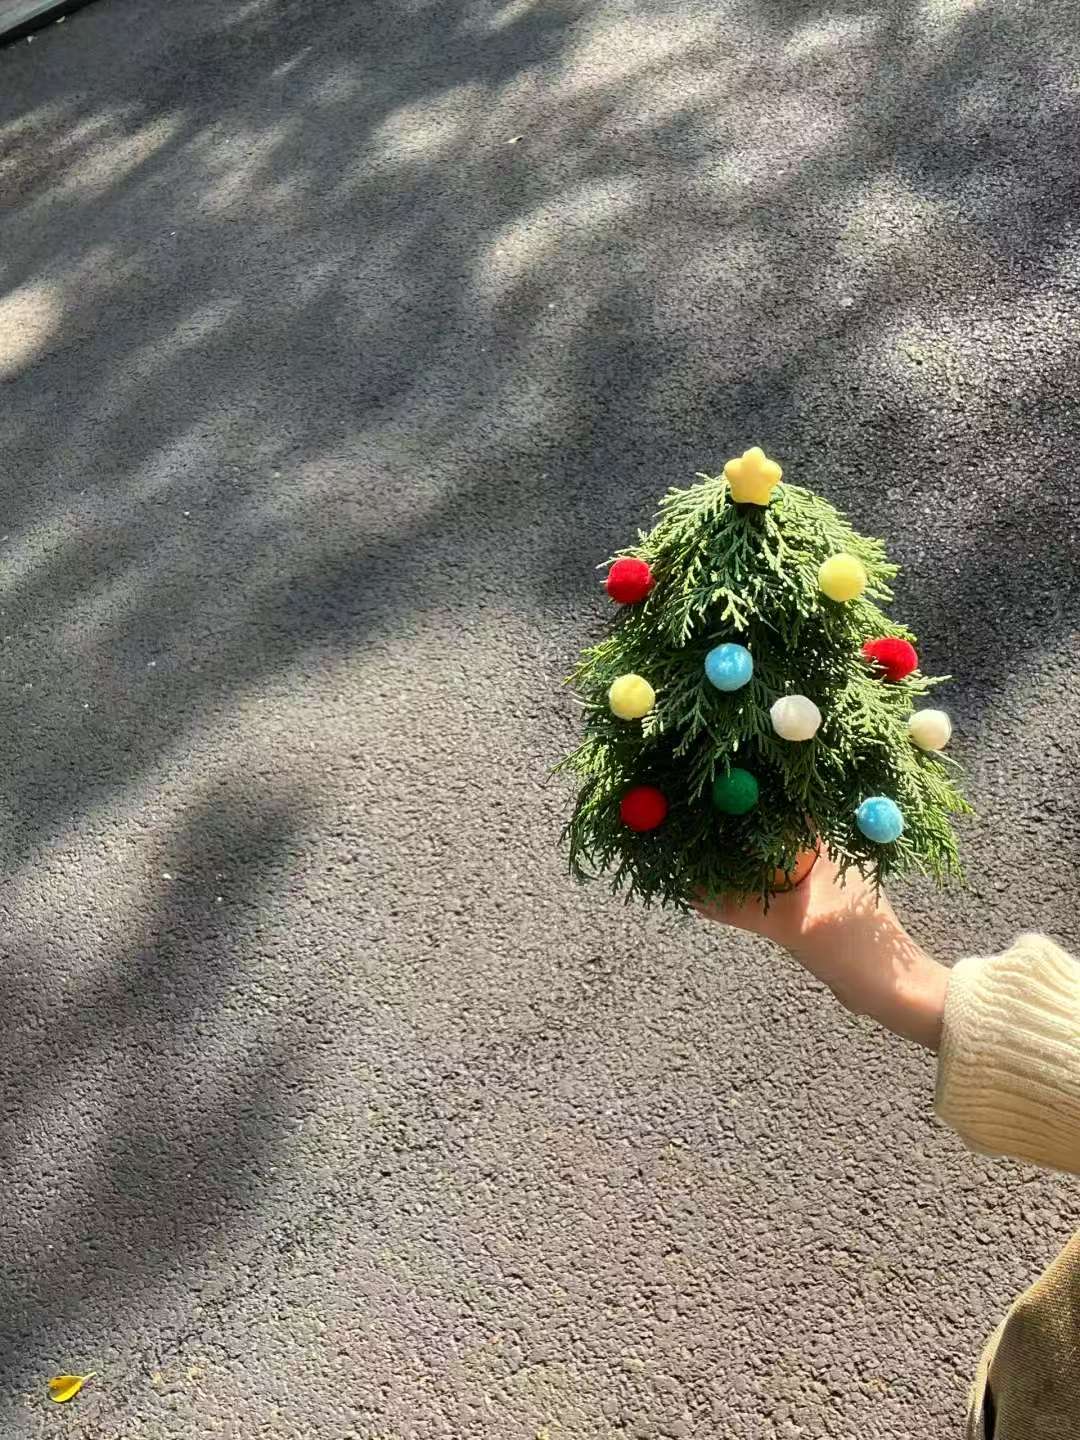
(880, 820)
(729, 667)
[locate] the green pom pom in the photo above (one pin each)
(736, 792)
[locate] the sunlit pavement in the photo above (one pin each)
(338, 344)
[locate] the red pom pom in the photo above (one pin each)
(896, 658)
(643, 808)
(629, 581)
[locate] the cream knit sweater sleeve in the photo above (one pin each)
(1009, 1066)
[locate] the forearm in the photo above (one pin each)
(875, 968)
(1007, 1027)
(911, 1003)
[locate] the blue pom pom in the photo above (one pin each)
(880, 820)
(729, 667)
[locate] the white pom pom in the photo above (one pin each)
(930, 729)
(795, 718)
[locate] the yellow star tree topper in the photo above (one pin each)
(753, 477)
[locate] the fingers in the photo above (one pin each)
(745, 915)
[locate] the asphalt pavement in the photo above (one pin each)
(338, 345)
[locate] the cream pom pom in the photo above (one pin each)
(930, 729)
(794, 717)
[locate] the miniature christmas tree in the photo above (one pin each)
(752, 703)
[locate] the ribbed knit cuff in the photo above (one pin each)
(1009, 1066)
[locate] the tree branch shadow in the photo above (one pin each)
(321, 322)
(149, 1098)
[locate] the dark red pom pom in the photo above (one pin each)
(896, 658)
(629, 580)
(643, 808)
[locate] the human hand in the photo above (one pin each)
(850, 938)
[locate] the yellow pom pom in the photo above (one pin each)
(842, 577)
(631, 697)
(753, 477)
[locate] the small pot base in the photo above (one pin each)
(784, 880)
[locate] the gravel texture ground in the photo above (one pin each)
(338, 344)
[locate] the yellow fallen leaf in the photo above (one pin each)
(66, 1387)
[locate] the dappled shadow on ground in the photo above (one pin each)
(299, 330)
(319, 319)
(151, 1086)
